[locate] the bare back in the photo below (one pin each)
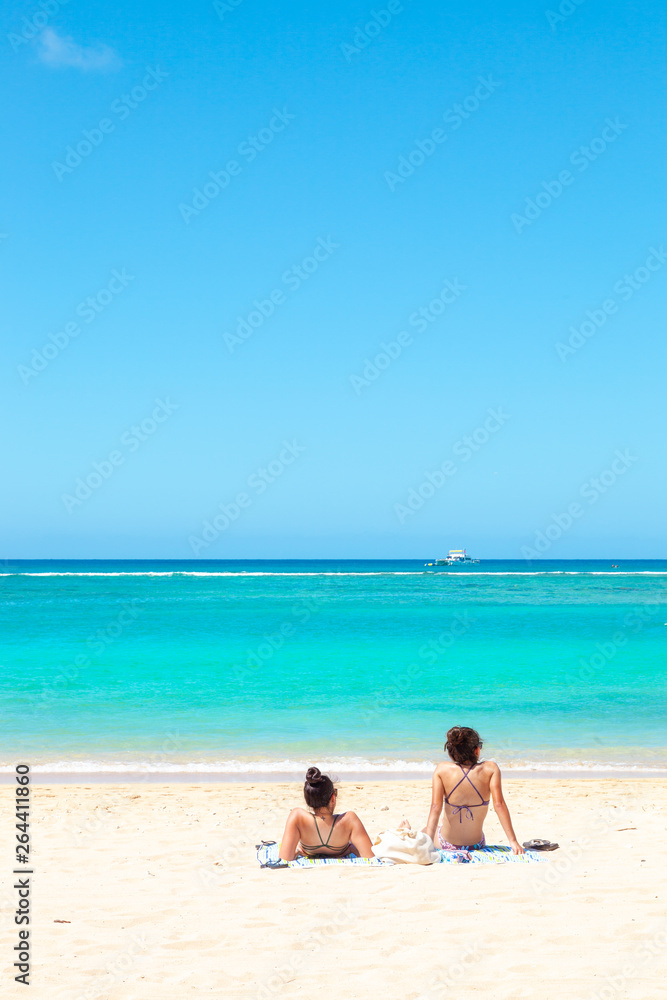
(325, 835)
(466, 793)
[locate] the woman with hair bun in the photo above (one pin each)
(465, 787)
(323, 833)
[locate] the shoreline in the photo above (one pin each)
(289, 766)
(155, 777)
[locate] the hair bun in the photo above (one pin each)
(462, 744)
(318, 788)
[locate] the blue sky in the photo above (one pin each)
(480, 190)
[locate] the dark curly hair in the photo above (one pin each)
(317, 789)
(462, 741)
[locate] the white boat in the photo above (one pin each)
(455, 557)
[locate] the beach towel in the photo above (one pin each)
(492, 854)
(269, 853)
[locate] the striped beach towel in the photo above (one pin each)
(492, 854)
(268, 853)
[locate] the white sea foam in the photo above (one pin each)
(464, 573)
(357, 765)
(177, 572)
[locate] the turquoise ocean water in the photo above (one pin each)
(363, 665)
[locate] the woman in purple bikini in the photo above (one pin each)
(465, 788)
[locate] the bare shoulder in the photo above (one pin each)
(446, 772)
(350, 821)
(489, 769)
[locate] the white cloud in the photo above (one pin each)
(61, 50)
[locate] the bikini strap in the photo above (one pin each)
(456, 785)
(458, 810)
(331, 831)
(465, 775)
(324, 843)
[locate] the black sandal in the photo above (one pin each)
(540, 845)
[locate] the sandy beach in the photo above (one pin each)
(153, 891)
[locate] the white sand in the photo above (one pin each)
(165, 899)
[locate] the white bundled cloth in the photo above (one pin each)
(413, 847)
